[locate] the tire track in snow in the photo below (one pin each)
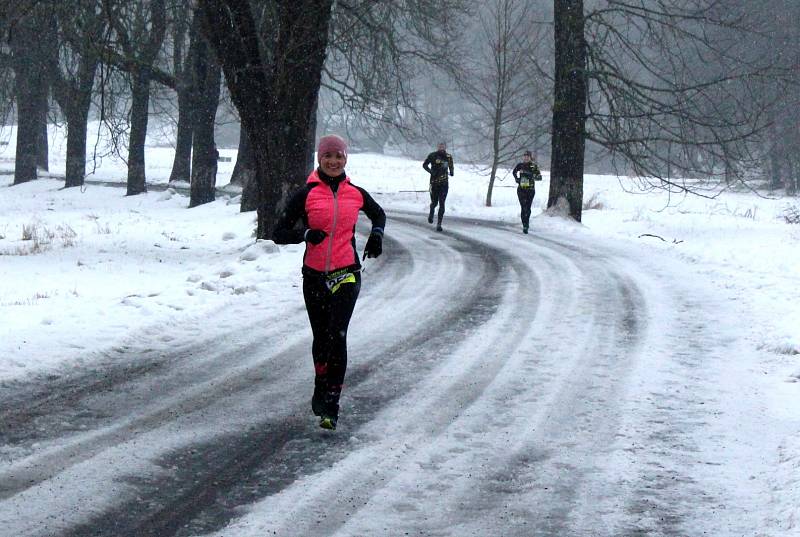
(276, 437)
(53, 406)
(456, 375)
(442, 422)
(239, 463)
(74, 418)
(536, 401)
(469, 440)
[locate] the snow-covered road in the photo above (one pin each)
(499, 384)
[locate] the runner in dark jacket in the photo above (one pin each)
(439, 164)
(525, 173)
(328, 207)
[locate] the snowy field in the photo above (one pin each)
(87, 273)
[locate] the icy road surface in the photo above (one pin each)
(499, 384)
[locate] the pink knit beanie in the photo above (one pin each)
(331, 143)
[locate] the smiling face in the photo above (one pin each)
(332, 163)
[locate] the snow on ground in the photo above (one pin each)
(86, 271)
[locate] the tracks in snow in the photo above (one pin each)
(488, 380)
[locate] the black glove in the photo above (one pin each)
(374, 245)
(314, 236)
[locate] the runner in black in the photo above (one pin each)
(525, 173)
(439, 164)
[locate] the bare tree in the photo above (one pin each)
(138, 31)
(185, 30)
(378, 52)
(276, 92)
(659, 83)
(370, 52)
(500, 81)
(780, 146)
(245, 170)
(80, 26)
(30, 51)
(206, 78)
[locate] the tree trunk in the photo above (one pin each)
(42, 145)
(74, 97)
(311, 139)
(243, 156)
(244, 173)
(296, 75)
(775, 171)
(181, 165)
(77, 119)
(492, 177)
(206, 80)
(789, 184)
(31, 89)
(569, 108)
(496, 133)
(28, 131)
(140, 87)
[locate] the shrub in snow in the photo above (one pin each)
(593, 202)
(29, 231)
(42, 236)
(792, 215)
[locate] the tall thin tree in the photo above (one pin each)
(185, 29)
(80, 26)
(31, 51)
(206, 80)
(139, 32)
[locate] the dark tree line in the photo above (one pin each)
(56, 48)
(673, 90)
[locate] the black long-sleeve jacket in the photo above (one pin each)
(438, 164)
(525, 173)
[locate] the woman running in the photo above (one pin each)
(328, 206)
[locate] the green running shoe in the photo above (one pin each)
(328, 422)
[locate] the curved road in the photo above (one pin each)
(499, 384)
